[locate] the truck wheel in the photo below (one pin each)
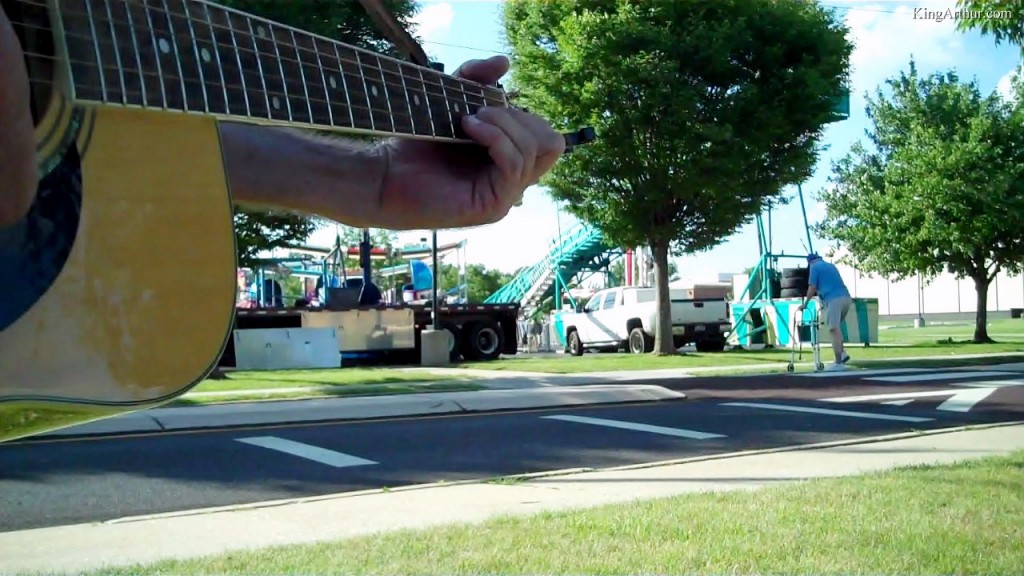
(640, 342)
(454, 341)
(573, 344)
(482, 340)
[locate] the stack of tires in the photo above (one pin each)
(794, 282)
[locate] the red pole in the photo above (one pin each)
(629, 267)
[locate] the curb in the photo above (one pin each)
(365, 408)
(525, 478)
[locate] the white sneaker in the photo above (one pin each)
(835, 367)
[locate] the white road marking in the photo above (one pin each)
(307, 451)
(989, 383)
(679, 432)
(855, 372)
(827, 412)
(959, 400)
(938, 376)
(898, 402)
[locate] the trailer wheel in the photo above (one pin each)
(482, 340)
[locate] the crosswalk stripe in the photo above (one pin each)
(938, 376)
(827, 412)
(679, 432)
(307, 451)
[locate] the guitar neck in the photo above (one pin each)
(198, 57)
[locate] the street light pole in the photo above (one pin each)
(434, 316)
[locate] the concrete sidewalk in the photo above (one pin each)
(365, 407)
(147, 539)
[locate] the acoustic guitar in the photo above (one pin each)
(117, 291)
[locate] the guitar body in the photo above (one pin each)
(125, 290)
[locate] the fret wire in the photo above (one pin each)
(302, 75)
(366, 91)
(323, 82)
(238, 59)
(344, 83)
(430, 111)
(408, 102)
(156, 54)
(259, 64)
(177, 55)
(216, 53)
(387, 76)
(96, 46)
(387, 96)
(497, 98)
(451, 118)
(195, 50)
(280, 67)
(138, 57)
(117, 51)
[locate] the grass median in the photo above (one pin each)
(961, 519)
(242, 386)
(897, 341)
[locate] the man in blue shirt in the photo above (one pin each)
(825, 282)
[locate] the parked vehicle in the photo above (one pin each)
(625, 317)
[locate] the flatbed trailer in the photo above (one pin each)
(477, 332)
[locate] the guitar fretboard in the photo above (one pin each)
(200, 57)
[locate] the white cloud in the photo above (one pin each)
(1004, 87)
(433, 20)
(886, 36)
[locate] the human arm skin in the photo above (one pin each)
(17, 142)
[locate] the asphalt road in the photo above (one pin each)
(54, 482)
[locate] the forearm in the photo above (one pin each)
(17, 143)
(285, 169)
(812, 291)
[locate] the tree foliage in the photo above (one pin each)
(941, 190)
(1001, 19)
(346, 21)
(704, 111)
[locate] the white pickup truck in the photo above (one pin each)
(625, 317)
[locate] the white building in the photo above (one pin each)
(943, 296)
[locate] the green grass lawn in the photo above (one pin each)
(961, 519)
(937, 340)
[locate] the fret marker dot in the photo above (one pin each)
(455, 105)
(373, 90)
(332, 82)
(276, 103)
(205, 55)
(261, 32)
(165, 46)
(416, 99)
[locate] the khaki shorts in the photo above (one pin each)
(835, 311)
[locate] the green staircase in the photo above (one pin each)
(582, 249)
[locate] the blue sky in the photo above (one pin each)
(885, 34)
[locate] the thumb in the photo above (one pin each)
(487, 71)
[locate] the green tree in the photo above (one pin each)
(941, 190)
(1001, 19)
(704, 111)
(342, 20)
(481, 281)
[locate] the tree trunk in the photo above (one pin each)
(663, 343)
(981, 284)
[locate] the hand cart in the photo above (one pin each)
(797, 343)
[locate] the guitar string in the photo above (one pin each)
(426, 115)
(291, 81)
(459, 82)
